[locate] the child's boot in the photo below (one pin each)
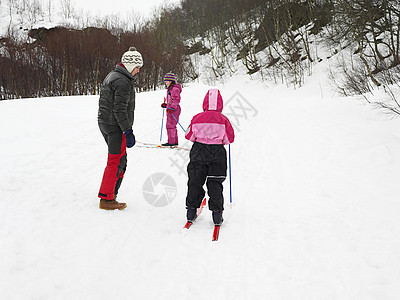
(217, 217)
(191, 214)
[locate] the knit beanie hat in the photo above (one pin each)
(170, 77)
(132, 59)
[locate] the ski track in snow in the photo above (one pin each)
(314, 216)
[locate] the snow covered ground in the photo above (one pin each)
(315, 211)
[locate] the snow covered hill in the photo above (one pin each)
(314, 215)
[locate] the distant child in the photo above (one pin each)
(210, 131)
(173, 98)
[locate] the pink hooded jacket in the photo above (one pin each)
(211, 126)
(174, 96)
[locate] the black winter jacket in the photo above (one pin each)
(117, 99)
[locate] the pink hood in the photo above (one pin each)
(211, 126)
(213, 101)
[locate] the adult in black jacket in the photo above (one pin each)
(115, 119)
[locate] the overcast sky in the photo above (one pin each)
(98, 7)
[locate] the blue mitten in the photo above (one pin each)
(130, 138)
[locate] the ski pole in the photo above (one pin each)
(230, 175)
(162, 122)
(178, 122)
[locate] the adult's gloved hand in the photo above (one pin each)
(164, 105)
(170, 110)
(130, 138)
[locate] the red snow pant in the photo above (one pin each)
(116, 162)
(171, 125)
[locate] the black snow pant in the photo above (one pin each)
(207, 165)
(116, 162)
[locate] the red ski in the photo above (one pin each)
(189, 223)
(216, 232)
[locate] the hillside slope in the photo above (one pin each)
(314, 215)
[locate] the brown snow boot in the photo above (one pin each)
(111, 204)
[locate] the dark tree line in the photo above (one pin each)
(65, 61)
(72, 61)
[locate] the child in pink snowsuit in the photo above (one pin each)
(173, 98)
(210, 131)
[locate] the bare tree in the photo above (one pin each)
(372, 28)
(67, 8)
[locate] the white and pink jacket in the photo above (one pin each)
(211, 126)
